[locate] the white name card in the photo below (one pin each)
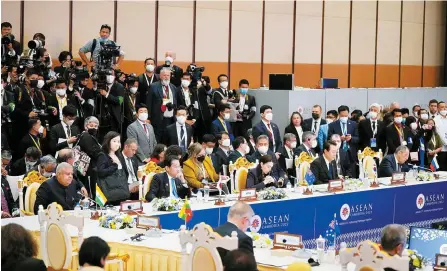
(248, 194)
(131, 205)
(148, 222)
(398, 178)
(335, 185)
(287, 241)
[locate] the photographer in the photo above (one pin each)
(176, 71)
(65, 58)
(34, 45)
(85, 97)
(7, 106)
(147, 78)
(10, 47)
(94, 47)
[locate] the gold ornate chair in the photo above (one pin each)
(302, 164)
(204, 254)
(368, 163)
(32, 182)
(240, 172)
(147, 172)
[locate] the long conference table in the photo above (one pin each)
(361, 214)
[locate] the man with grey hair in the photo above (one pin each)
(127, 157)
(287, 154)
(6, 160)
(47, 166)
(67, 155)
(161, 100)
(238, 220)
(371, 130)
(394, 239)
(309, 143)
(396, 162)
(60, 188)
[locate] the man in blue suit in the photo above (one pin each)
(331, 116)
(221, 124)
(268, 128)
(394, 162)
(347, 130)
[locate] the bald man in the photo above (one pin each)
(176, 71)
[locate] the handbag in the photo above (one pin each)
(81, 159)
(114, 186)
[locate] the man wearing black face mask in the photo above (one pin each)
(313, 124)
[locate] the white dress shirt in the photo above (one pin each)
(318, 126)
(67, 132)
(441, 129)
(271, 130)
(187, 97)
(144, 126)
(132, 177)
(241, 102)
(299, 130)
(185, 135)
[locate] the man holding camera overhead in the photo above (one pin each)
(176, 71)
(10, 47)
(94, 47)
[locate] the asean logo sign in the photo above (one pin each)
(420, 201)
(345, 211)
(255, 224)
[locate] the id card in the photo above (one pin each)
(410, 141)
(166, 101)
(373, 142)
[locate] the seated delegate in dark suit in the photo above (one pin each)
(324, 167)
(287, 152)
(397, 134)
(309, 143)
(25, 164)
(262, 148)
(64, 130)
(393, 241)
(34, 138)
(179, 133)
(60, 188)
(394, 162)
(221, 124)
(371, 131)
(262, 176)
(347, 130)
(171, 183)
(268, 128)
(221, 156)
(345, 166)
(239, 217)
(241, 149)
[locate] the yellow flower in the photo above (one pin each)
(268, 241)
(256, 237)
(410, 252)
(417, 262)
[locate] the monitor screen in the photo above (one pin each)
(428, 242)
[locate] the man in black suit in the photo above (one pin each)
(36, 137)
(176, 71)
(324, 167)
(345, 165)
(394, 162)
(188, 98)
(146, 79)
(268, 128)
(221, 156)
(371, 131)
(222, 95)
(111, 104)
(287, 155)
(251, 142)
(238, 220)
(64, 134)
(130, 165)
(171, 183)
(59, 101)
(203, 123)
(397, 134)
(6, 189)
(262, 148)
(246, 109)
(179, 133)
(241, 149)
(25, 164)
(85, 97)
(309, 143)
(162, 101)
(313, 124)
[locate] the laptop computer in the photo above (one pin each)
(428, 242)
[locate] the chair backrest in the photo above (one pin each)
(55, 240)
(14, 184)
(303, 168)
(241, 178)
(368, 166)
(367, 256)
(30, 197)
(147, 184)
(204, 254)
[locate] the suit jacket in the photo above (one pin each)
(193, 113)
(202, 98)
(321, 171)
(146, 144)
(252, 147)
(276, 169)
(351, 128)
(244, 241)
(144, 83)
(52, 101)
(388, 166)
(154, 100)
(176, 74)
(114, 103)
(290, 129)
(346, 163)
(52, 191)
(366, 133)
(56, 132)
(130, 108)
(86, 109)
(219, 159)
(133, 160)
(393, 138)
(219, 94)
(91, 147)
(322, 134)
(19, 167)
(171, 138)
(160, 188)
(302, 148)
(217, 128)
(309, 123)
(192, 171)
(255, 178)
(261, 129)
(282, 161)
(8, 194)
(234, 155)
(249, 110)
(24, 264)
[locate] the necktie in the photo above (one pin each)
(182, 138)
(69, 131)
(4, 203)
(224, 125)
(374, 126)
(330, 171)
(345, 145)
(130, 169)
(166, 94)
(315, 127)
(174, 188)
(145, 128)
(399, 168)
(270, 131)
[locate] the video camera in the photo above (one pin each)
(7, 39)
(129, 78)
(75, 72)
(36, 44)
(105, 63)
(195, 72)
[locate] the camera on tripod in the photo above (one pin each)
(195, 72)
(74, 72)
(104, 66)
(129, 78)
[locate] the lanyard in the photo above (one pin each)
(223, 124)
(400, 132)
(35, 143)
(147, 80)
(202, 168)
(375, 128)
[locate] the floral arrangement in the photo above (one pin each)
(167, 204)
(417, 261)
(271, 193)
(34, 177)
(261, 240)
(425, 176)
(116, 221)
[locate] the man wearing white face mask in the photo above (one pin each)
(64, 134)
(286, 159)
(371, 130)
(187, 97)
(143, 132)
(441, 128)
(34, 138)
(222, 124)
(208, 143)
(176, 71)
(241, 149)
(220, 157)
(179, 133)
(246, 109)
(222, 95)
(268, 128)
(47, 166)
(131, 100)
(111, 102)
(148, 77)
(397, 134)
(59, 101)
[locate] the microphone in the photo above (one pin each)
(87, 198)
(424, 168)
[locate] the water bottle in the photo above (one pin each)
(77, 210)
(199, 196)
(289, 187)
(206, 193)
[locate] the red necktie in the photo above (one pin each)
(166, 94)
(145, 128)
(270, 131)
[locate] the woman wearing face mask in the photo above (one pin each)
(111, 176)
(295, 127)
(35, 137)
(131, 100)
(198, 169)
(262, 176)
(433, 142)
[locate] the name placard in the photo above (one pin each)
(287, 241)
(248, 194)
(398, 178)
(335, 185)
(132, 206)
(148, 222)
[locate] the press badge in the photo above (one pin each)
(410, 141)
(404, 143)
(373, 142)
